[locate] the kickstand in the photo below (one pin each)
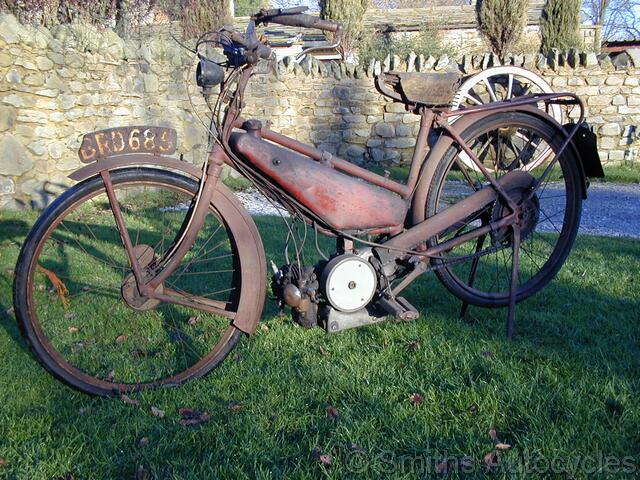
(515, 265)
(472, 275)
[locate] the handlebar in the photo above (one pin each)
(294, 17)
(252, 48)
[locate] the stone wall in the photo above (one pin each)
(469, 40)
(56, 85)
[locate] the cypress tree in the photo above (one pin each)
(501, 23)
(560, 25)
(351, 14)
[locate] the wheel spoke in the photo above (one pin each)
(103, 330)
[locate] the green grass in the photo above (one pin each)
(237, 184)
(566, 389)
(621, 174)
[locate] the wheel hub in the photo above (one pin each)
(130, 293)
(528, 215)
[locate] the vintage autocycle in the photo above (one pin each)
(149, 271)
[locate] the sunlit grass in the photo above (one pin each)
(566, 389)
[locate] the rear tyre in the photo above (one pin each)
(506, 142)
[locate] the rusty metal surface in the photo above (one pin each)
(253, 276)
(123, 140)
(458, 212)
(344, 202)
(333, 161)
(131, 160)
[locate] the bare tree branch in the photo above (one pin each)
(619, 19)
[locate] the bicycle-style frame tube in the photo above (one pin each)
(410, 238)
(148, 287)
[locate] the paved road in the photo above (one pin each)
(610, 209)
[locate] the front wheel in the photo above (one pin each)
(75, 299)
(479, 271)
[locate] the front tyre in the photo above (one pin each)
(72, 292)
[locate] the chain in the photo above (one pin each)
(457, 260)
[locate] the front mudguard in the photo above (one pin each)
(238, 220)
(583, 146)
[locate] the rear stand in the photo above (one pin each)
(513, 289)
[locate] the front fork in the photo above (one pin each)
(148, 287)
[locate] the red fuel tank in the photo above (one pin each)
(344, 202)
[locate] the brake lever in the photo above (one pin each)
(306, 51)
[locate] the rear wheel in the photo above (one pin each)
(479, 271)
(76, 301)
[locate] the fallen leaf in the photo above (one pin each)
(490, 460)
(493, 435)
(69, 315)
(84, 410)
(60, 287)
(9, 311)
(121, 338)
(323, 458)
(322, 350)
(192, 417)
(110, 376)
(502, 446)
(144, 441)
(193, 320)
(442, 467)
(473, 408)
(416, 399)
(264, 328)
(487, 354)
(332, 412)
(235, 406)
(130, 401)
(237, 357)
(157, 412)
(73, 329)
(3, 462)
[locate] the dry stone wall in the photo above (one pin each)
(56, 85)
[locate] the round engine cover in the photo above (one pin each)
(349, 282)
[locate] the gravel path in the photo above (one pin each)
(610, 209)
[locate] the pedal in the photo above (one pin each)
(400, 308)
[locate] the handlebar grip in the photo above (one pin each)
(305, 21)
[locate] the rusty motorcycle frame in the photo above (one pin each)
(338, 197)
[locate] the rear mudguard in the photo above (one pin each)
(585, 151)
(254, 276)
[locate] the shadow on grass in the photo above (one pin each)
(576, 345)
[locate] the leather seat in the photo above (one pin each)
(433, 90)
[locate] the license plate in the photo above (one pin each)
(125, 140)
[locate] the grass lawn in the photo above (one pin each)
(393, 400)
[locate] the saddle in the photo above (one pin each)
(433, 90)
